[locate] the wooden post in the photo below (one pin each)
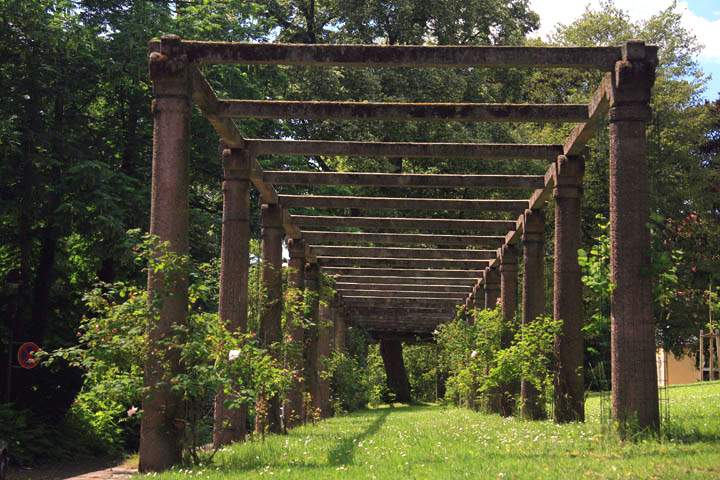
(270, 326)
(716, 337)
(312, 295)
(533, 241)
(569, 396)
(229, 424)
(294, 410)
(160, 431)
(491, 287)
(634, 372)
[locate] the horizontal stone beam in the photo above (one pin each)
(401, 312)
(399, 252)
(419, 292)
(402, 287)
(399, 223)
(404, 180)
(397, 280)
(396, 302)
(397, 203)
(395, 111)
(204, 52)
(316, 237)
(378, 262)
(404, 272)
(483, 151)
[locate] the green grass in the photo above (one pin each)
(420, 442)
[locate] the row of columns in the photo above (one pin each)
(634, 377)
(502, 282)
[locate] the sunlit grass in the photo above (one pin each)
(419, 442)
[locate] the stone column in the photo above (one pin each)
(340, 329)
(391, 352)
(160, 430)
(229, 424)
(324, 350)
(270, 324)
(508, 302)
(491, 287)
(569, 397)
(312, 378)
(632, 337)
(533, 240)
(295, 297)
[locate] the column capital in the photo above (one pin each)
(633, 78)
(492, 278)
(236, 163)
(508, 258)
(168, 68)
(271, 216)
(296, 247)
(569, 171)
(533, 226)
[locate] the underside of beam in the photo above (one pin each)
(403, 293)
(316, 237)
(399, 223)
(373, 301)
(396, 203)
(204, 52)
(404, 272)
(397, 280)
(403, 180)
(399, 252)
(484, 151)
(462, 112)
(400, 287)
(378, 262)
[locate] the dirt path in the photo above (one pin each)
(100, 469)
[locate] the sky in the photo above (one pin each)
(702, 17)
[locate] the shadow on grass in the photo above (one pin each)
(245, 457)
(343, 452)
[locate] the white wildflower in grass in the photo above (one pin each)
(233, 355)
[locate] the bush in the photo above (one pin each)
(348, 382)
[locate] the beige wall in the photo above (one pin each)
(677, 370)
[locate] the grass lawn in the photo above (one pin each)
(419, 442)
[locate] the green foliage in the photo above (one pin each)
(112, 346)
(467, 353)
(348, 382)
(529, 357)
(421, 365)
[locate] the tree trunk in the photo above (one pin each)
(391, 351)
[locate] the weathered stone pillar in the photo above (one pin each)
(324, 350)
(270, 323)
(491, 287)
(391, 352)
(312, 376)
(229, 424)
(294, 410)
(634, 375)
(340, 329)
(508, 302)
(160, 430)
(569, 397)
(533, 240)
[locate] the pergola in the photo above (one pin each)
(399, 277)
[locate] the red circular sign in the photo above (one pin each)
(26, 355)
